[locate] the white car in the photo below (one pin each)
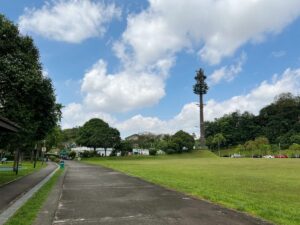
(268, 156)
(235, 155)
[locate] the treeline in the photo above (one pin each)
(96, 133)
(278, 123)
(177, 143)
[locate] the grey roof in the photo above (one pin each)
(7, 125)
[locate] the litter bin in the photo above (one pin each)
(62, 164)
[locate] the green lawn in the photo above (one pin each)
(27, 168)
(268, 188)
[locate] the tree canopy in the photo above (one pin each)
(26, 96)
(278, 122)
(96, 133)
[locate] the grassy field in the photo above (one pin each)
(28, 212)
(267, 188)
(27, 168)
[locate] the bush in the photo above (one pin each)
(54, 158)
(294, 147)
(152, 152)
(170, 151)
(124, 153)
(72, 154)
(86, 154)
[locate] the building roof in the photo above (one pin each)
(7, 125)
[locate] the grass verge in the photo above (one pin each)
(267, 188)
(27, 168)
(28, 212)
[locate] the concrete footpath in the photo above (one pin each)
(10, 192)
(97, 195)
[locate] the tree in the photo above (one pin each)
(295, 138)
(280, 118)
(125, 147)
(112, 138)
(250, 146)
(97, 133)
(54, 138)
(26, 96)
(69, 136)
(183, 140)
(201, 88)
(218, 140)
(262, 144)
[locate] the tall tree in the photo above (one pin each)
(183, 140)
(96, 133)
(26, 96)
(201, 88)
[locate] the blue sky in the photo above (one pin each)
(133, 62)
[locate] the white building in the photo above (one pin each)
(81, 149)
(100, 151)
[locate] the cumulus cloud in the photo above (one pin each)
(188, 118)
(228, 73)
(120, 92)
(148, 47)
(75, 114)
(214, 28)
(70, 21)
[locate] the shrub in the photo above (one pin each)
(170, 151)
(152, 152)
(86, 154)
(124, 153)
(294, 147)
(72, 154)
(54, 158)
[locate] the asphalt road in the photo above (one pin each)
(10, 192)
(97, 195)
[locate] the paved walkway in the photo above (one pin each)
(96, 195)
(12, 191)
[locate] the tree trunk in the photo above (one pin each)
(202, 131)
(95, 152)
(31, 156)
(15, 160)
(16, 163)
(35, 158)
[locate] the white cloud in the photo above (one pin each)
(215, 28)
(120, 92)
(70, 21)
(228, 73)
(148, 47)
(188, 118)
(75, 114)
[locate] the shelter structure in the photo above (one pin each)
(8, 126)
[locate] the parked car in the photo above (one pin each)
(281, 156)
(235, 155)
(268, 156)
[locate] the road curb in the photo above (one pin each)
(10, 211)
